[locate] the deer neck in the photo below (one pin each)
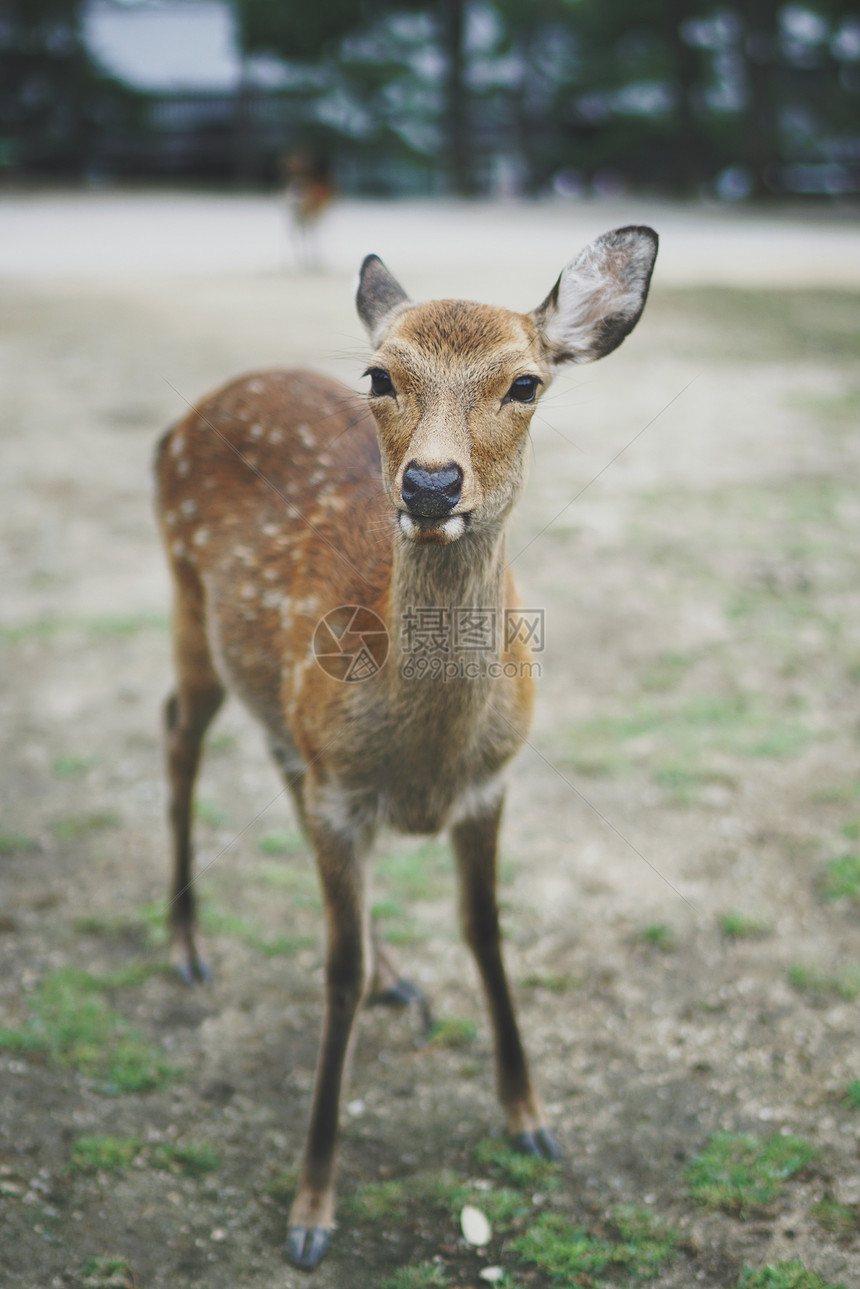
(436, 592)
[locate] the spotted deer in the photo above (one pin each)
(303, 527)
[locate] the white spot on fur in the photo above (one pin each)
(170, 518)
(245, 554)
(256, 431)
(177, 446)
(189, 507)
(276, 436)
(270, 574)
(310, 604)
(254, 386)
(271, 530)
(201, 537)
(305, 434)
(183, 467)
(180, 550)
(272, 599)
(317, 477)
(248, 591)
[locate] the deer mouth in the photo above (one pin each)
(435, 530)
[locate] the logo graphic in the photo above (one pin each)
(350, 643)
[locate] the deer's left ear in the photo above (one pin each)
(599, 297)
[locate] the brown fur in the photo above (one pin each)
(280, 501)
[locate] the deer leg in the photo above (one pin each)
(188, 714)
(475, 845)
(347, 976)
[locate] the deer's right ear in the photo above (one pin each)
(377, 295)
(599, 297)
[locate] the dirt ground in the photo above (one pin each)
(680, 878)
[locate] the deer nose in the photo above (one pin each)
(431, 493)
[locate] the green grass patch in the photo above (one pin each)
(841, 1220)
(739, 926)
(852, 1095)
(842, 878)
(452, 1033)
(526, 1172)
(784, 1275)
(637, 1243)
(91, 1154)
(425, 1275)
(553, 984)
(659, 936)
(740, 1173)
(209, 813)
(377, 1202)
(105, 625)
(190, 1157)
(852, 830)
(69, 766)
(77, 827)
(418, 874)
(73, 1021)
(105, 1272)
(678, 739)
(820, 987)
(281, 843)
(15, 843)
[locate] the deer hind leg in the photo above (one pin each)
(475, 845)
(387, 988)
(347, 976)
(188, 714)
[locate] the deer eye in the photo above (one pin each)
(380, 382)
(523, 390)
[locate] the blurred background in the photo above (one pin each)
(493, 98)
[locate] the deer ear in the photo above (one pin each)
(377, 295)
(599, 297)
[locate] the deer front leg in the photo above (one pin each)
(348, 961)
(475, 845)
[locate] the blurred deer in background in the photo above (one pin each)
(302, 533)
(309, 193)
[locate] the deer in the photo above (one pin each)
(303, 525)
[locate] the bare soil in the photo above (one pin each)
(692, 531)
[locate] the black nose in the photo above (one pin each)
(431, 493)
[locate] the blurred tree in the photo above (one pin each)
(56, 106)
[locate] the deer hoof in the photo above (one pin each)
(541, 1144)
(306, 1246)
(193, 972)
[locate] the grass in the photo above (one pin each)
(659, 936)
(70, 766)
(105, 1272)
(14, 843)
(425, 1275)
(452, 1033)
(852, 1095)
(91, 1154)
(637, 1242)
(841, 1220)
(77, 827)
(677, 739)
(215, 922)
(526, 1172)
(842, 878)
(419, 874)
(74, 1023)
(822, 988)
(784, 1275)
(377, 1202)
(551, 983)
(106, 625)
(739, 926)
(209, 813)
(190, 1157)
(281, 843)
(741, 1173)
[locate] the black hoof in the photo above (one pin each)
(541, 1144)
(193, 973)
(306, 1246)
(404, 994)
